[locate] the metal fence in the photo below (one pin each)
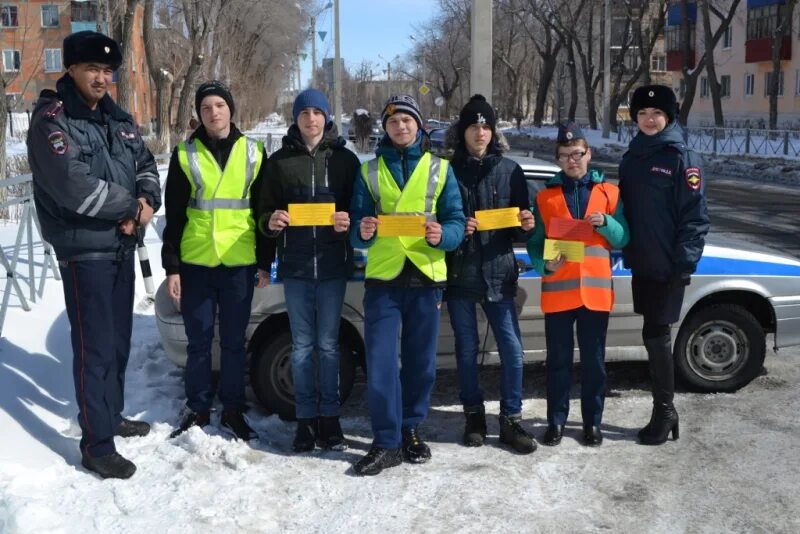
(23, 249)
(272, 142)
(751, 141)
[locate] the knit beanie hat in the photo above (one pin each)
(476, 111)
(311, 98)
(654, 96)
(213, 87)
(401, 104)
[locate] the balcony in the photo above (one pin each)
(675, 60)
(758, 50)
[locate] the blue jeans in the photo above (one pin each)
(591, 329)
(315, 310)
(503, 320)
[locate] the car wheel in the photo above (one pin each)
(271, 374)
(720, 348)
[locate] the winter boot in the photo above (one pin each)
(128, 428)
(664, 418)
(592, 436)
(189, 420)
(553, 435)
(512, 434)
(415, 450)
(306, 435)
(234, 423)
(378, 459)
(475, 426)
(330, 434)
(112, 465)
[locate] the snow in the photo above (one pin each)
(361, 111)
(734, 468)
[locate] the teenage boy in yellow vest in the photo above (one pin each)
(576, 292)
(210, 254)
(405, 277)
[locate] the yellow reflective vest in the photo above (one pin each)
(220, 228)
(387, 255)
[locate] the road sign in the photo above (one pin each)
(439, 101)
(424, 89)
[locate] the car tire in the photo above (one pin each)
(720, 348)
(271, 374)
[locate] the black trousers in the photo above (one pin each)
(99, 298)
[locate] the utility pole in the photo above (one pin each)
(480, 74)
(337, 71)
(313, 51)
(607, 70)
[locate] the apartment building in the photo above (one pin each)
(743, 61)
(32, 32)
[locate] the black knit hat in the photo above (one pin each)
(654, 96)
(213, 87)
(401, 104)
(91, 47)
(476, 111)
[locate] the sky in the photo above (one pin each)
(365, 29)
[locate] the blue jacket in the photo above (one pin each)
(576, 195)
(484, 266)
(449, 210)
(662, 187)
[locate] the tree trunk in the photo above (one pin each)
(186, 102)
(713, 85)
(781, 31)
(573, 78)
(124, 35)
(3, 125)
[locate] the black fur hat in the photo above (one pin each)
(654, 96)
(91, 47)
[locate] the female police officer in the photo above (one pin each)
(661, 186)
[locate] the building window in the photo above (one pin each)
(8, 16)
(658, 63)
(83, 12)
(768, 83)
(50, 16)
(725, 86)
(762, 21)
(704, 87)
(11, 60)
(673, 38)
(727, 39)
(52, 60)
(749, 84)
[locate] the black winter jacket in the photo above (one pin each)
(484, 266)
(89, 167)
(178, 192)
(662, 188)
(295, 175)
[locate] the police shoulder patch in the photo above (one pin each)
(58, 142)
(693, 178)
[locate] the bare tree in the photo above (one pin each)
(123, 14)
(162, 78)
(710, 44)
(783, 29)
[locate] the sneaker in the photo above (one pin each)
(376, 460)
(475, 427)
(330, 434)
(415, 450)
(512, 434)
(112, 465)
(234, 423)
(128, 428)
(305, 437)
(189, 420)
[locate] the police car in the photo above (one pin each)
(738, 298)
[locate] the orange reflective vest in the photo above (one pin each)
(589, 283)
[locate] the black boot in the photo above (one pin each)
(128, 428)
(378, 459)
(330, 434)
(553, 435)
(189, 420)
(592, 436)
(475, 426)
(112, 465)
(234, 423)
(664, 418)
(415, 450)
(512, 433)
(306, 435)
(663, 421)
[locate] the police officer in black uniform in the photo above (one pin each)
(661, 184)
(94, 182)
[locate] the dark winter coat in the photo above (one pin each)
(662, 189)
(178, 192)
(484, 265)
(295, 175)
(89, 167)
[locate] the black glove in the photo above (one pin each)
(680, 279)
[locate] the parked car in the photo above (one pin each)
(737, 297)
(437, 137)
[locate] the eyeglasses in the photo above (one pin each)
(574, 156)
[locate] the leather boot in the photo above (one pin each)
(664, 418)
(663, 421)
(475, 426)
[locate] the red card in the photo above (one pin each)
(569, 229)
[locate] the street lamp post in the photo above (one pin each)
(314, 43)
(388, 75)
